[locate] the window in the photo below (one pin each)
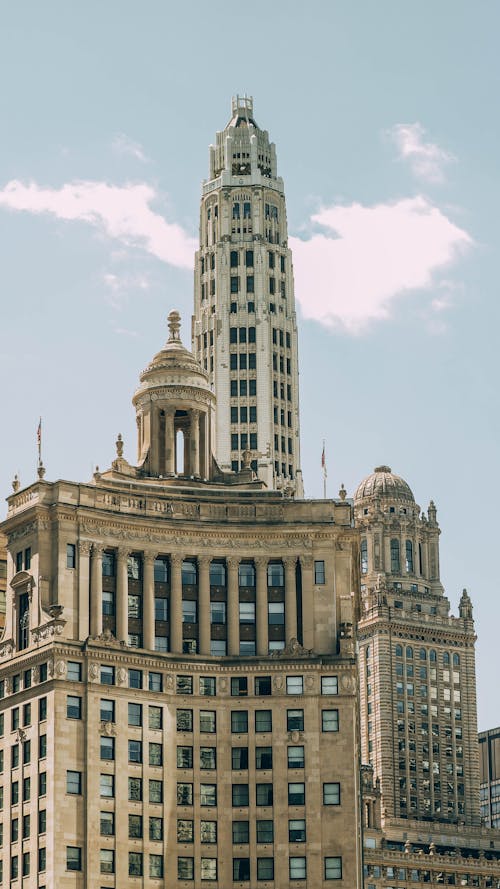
(107, 786)
(333, 868)
(135, 864)
(208, 758)
(161, 609)
(73, 707)
(135, 827)
(184, 685)
(239, 758)
(240, 832)
(155, 682)
(156, 866)
(364, 556)
(135, 714)
(155, 828)
(135, 751)
(184, 720)
(247, 612)
(107, 709)
(239, 686)
(207, 721)
(276, 612)
(135, 789)
(241, 869)
(70, 555)
(295, 757)
(331, 794)
(208, 794)
(107, 861)
(319, 571)
(135, 678)
(207, 686)
(330, 720)
(234, 258)
(42, 746)
(297, 830)
(240, 794)
(155, 791)
(189, 611)
(264, 794)
(184, 794)
(184, 757)
(107, 675)
(27, 714)
(295, 720)
(42, 783)
(275, 574)
(73, 858)
(42, 821)
(108, 564)
(155, 754)
(161, 570)
(296, 794)
(73, 782)
(185, 868)
(329, 685)
(185, 830)
(265, 868)
(246, 574)
(262, 685)
(297, 867)
(294, 685)
(107, 821)
(239, 721)
(395, 564)
(409, 557)
(263, 757)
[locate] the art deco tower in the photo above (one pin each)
(244, 326)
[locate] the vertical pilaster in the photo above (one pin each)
(96, 590)
(307, 601)
(121, 595)
(83, 589)
(148, 602)
(170, 442)
(204, 603)
(176, 603)
(290, 599)
(262, 615)
(195, 443)
(233, 607)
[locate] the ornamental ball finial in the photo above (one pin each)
(174, 326)
(342, 492)
(119, 445)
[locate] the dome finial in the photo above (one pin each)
(174, 326)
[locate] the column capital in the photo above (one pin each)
(84, 547)
(261, 562)
(232, 561)
(123, 552)
(306, 561)
(97, 549)
(149, 558)
(203, 560)
(176, 560)
(289, 561)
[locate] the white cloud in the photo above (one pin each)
(427, 160)
(367, 257)
(122, 144)
(122, 212)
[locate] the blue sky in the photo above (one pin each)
(387, 131)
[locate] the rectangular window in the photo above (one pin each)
(295, 720)
(333, 868)
(208, 794)
(239, 686)
(295, 685)
(330, 720)
(135, 751)
(296, 794)
(239, 721)
(240, 794)
(263, 721)
(184, 685)
(184, 794)
(239, 758)
(297, 830)
(207, 686)
(42, 746)
(155, 828)
(208, 758)
(319, 571)
(70, 555)
(107, 675)
(240, 832)
(73, 707)
(264, 794)
(135, 864)
(189, 611)
(262, 685)
(276, 611)
(247, 613)
(265, 868)
(241, 869)
(107, 822)
(161, 609)
(185, 830)
(73, 782)
(155, 754)
(207, 721)
(185, 868)
(135, 714)
(73, 858)
(295, 756)
(107, 710)
(135, 678)
(155, 791)
(155, 682)
(297, 867)
(331, 794)
(155, 866)
(135, 789)
(329, 685)
(184, 720)
(107, 786)
(107, 861)
(263, 757)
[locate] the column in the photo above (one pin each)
(195, 443)
(176, 603)
(290, 599)
(307, 601)
(261, 608)
(96, 590)
(122, 595)
(233, 607)
(170, 442)
(153, 440)
(204, 603)
(83, 588)
(187, 454)
(148, 602)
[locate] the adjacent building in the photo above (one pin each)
(489, 762)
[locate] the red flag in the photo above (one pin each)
(39, 438)
(323, 461)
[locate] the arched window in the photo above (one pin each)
(364, 556)
(217, 574)
(409, 652)
(423, 654)
(395, 563)
(399, 651)
(432, 656)
(246, 574)
(409, 557)
(275, 574)
(456, 660)
(446, 658)
(23, 621)
(179, 452)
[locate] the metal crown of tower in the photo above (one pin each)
(244, 324)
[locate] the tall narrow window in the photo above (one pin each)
(395, 563)
(409, 557)
(420, 571)
(364, 556)
(23, 621)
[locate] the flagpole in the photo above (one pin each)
(323, 466)
(39, 441)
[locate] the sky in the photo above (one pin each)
(385, 118)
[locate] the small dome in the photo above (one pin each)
(174, 364)
(384, 483)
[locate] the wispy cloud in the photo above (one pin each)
(366, 258)
(427, 159)
(122, 212)
(123, 145)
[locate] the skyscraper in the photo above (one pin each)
(244, 325)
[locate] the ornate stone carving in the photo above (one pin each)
(278, 682)
(93, 673)
(169, 681)
(295, 736)
(293, 648)
(7, 648)
(223, 684)
(108, 729)
(310, 682)
(84, 547)
(48, 630)
(60, 669)
(121, 676)
(347, 684)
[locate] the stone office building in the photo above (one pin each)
(178, 677)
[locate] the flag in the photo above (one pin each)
(39, 439)
(323, 461)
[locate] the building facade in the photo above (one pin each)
(178, 674)
(244, 324)
(417, 703)
(489, 761)
(3, 579)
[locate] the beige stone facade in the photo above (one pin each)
(3, 578)
(178, 672)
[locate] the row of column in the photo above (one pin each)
(193, 428)
(175, 610)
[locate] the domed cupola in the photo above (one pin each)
(385, 485)
(174, 397)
